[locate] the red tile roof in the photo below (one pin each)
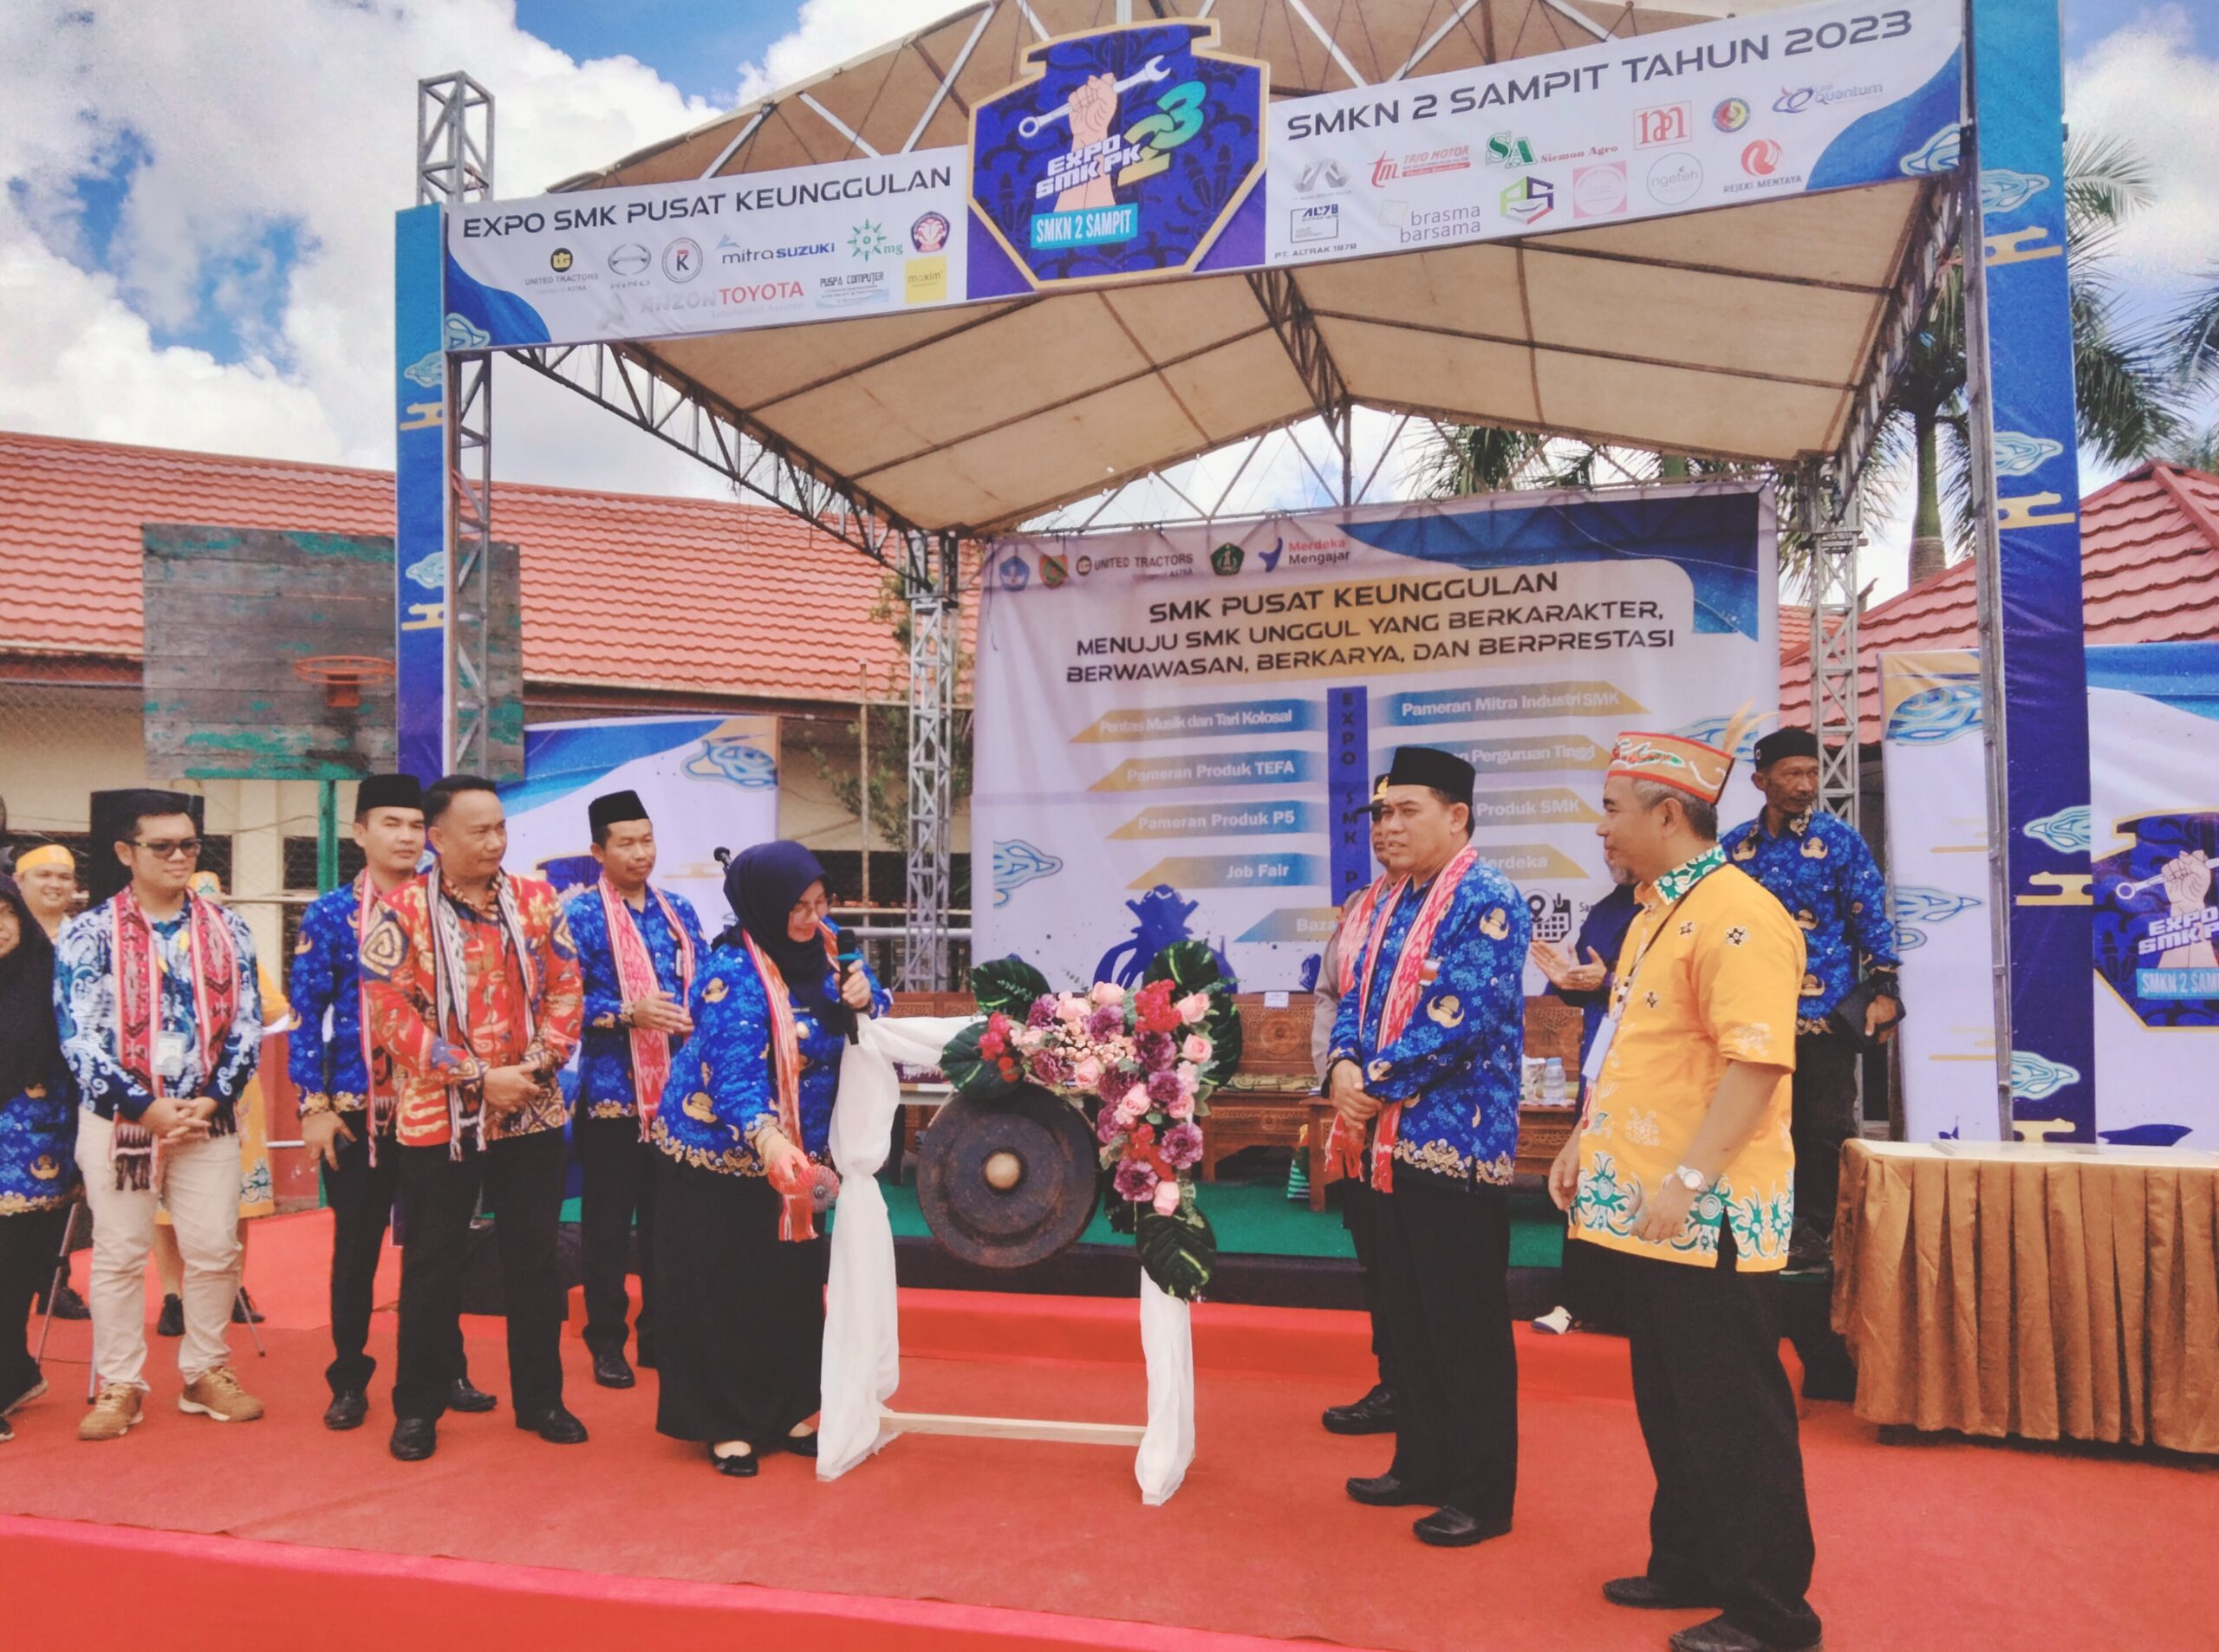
(625, 591)
(2150, 573)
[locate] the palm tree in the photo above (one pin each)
(2194, 450)
(2121, 387)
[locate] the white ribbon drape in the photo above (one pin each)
(862, 1336)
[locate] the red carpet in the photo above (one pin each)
(945, 1542)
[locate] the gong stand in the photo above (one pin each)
(1004, 1184)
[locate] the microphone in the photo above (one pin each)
(850, 955)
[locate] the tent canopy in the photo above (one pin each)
(1742, 334)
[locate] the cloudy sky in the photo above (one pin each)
(195, 237)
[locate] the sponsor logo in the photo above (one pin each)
(1321, 222)
(1317, 553)
(1796, 99)
(858, 290)
(731, 251)
(1761, 158)
(1085, 565)
(1600, 192)
(1529, 200)
(1226, 558)
(1674, 179)
(1270, 558)
(1452, 158)
(930, 233)
(869, 240)
(630, 259)
(559, 260)
(681, 259)
(1013, 573)
(1053, 570)
(1321, 178)
(1665, 123)
(1731, 116)
(1508, 149)
(1463, 223)
(762, 292)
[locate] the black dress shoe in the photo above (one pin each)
(1372, 1414)
(67, 1304)
(413, 1439)
(1385, 1492)
(741, 1466)
(611, 1370)
(1454, 1529)
(1649, 1593)
(170, 1321)
(1719, 1636)
(466, 1395)
(347, 1408)
(554, 1425)
(243, 1311)
(803, 1445)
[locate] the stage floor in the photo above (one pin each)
(1922, 1544)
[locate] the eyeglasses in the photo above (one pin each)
(810, 910)
(170, 849)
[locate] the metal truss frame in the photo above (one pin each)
(454, 164)
(935, 634)
(1833, 529)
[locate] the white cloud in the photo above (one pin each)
(826, 33)
(2144, 83)
(262, 112)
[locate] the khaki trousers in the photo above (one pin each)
(200, 1185)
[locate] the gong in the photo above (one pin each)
(1007, 1182)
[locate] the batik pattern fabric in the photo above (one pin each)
(722, 1092)
(509, 1011)
(38, 1140)
(1456, 1067)
(1707, 975)
(85, 1003)
(606, 1086)
(1821, 871)
(324, 1055)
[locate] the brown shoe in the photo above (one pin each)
(118, 1410)
(216, 1393)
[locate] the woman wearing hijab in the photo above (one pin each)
(38, 1118)
(743, 1127)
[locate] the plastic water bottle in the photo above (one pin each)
(1552, 1082)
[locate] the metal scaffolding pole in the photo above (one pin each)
(454, 164)
(1831, 522)
(935, 630)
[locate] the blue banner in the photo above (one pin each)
(1348, 757)
(2017, 98)
(420, 493)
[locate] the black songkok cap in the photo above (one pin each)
(610, 807)
(1423, 766)
(1370, 805)
(387, 792)
(1786, 742)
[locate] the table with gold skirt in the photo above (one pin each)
(2048, 1292)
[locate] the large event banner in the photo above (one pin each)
(1177, 727)
(419, 532)
(1153, 149)
(1748, 109)
(2153, 721)
(709, 782)
(849, 238)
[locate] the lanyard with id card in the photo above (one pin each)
(1600, 1051)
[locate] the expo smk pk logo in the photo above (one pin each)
(1124, 153)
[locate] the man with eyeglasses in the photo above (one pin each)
(470, 984)
(161, 1025)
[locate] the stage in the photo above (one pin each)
(199, 1535)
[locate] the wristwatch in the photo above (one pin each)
(1693, 1179)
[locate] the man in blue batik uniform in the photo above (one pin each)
(1821, 871)
(638, 948)
(1423, 1073)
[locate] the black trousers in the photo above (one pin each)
(741, 1345)
(360, 1196)
(1824, 1116)
(522, 1179)
(1730, 1519)
(1444, 1266)
(616, 1188)
(1360, 1215)
(28, 1242)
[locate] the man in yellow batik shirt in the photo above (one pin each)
(1683, 1171)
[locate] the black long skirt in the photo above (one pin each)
(740, 1312)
